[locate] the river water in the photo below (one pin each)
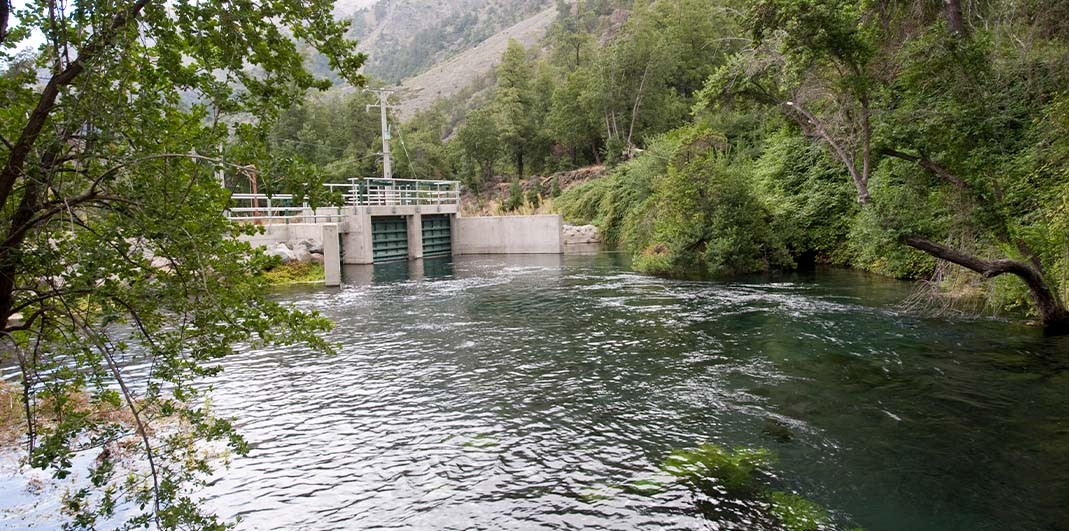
(522, 392)
(527, 392)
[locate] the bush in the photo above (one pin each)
(708, 215)
(534, 192)
(295, 273)
(554, 187)
(515, 198)
(810, 197)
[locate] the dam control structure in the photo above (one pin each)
(382, 220)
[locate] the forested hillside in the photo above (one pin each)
(923, 140)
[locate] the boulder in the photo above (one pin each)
(283, 252)
(303, 256)
(580, 234)
(161, 263)
(316, 258)
(311, 246)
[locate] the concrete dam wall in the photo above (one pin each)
(361, 236)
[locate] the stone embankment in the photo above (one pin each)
(303, 252)
(580, 234)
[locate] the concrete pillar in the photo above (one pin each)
(415, 269)
(357, 246)
(331, 255)
(415, 236)
(453, 224)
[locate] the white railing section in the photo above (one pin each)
(398, 192)
(280, 208)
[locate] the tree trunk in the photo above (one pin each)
(5, 14)
(519, 162)
(1052, 312)
(955, 22)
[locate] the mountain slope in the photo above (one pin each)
(452, 76)
(405, 37)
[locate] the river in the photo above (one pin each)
(522, 392)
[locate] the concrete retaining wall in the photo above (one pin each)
(326, 234)
(508, 235)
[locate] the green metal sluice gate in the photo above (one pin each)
(437, 235)
(389, 238)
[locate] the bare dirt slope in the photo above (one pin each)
(452, 76)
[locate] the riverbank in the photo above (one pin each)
(295, 273)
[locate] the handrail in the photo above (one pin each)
(377, 191)
(373, 191)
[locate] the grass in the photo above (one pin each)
(12, 416)
(104, 409)
(295, 273)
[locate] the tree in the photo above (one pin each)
(573, 117)
(930, 109)
(478, 137)
(512, 102)
(419, 148)
(113, 239)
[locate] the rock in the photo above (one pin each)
(161, 263)
(303, 256)
(283, 252)
(574, 234)
(316, 258)
(311, 246)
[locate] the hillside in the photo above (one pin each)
(452, 76)
(405, 37)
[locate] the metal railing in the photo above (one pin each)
(280, 208)
(262, 207)
(397, 192)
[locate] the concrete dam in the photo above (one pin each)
(385, 220)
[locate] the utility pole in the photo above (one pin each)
(383, 105)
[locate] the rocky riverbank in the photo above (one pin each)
(303, 252)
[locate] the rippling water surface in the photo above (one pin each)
(521, 392)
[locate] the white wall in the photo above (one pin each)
(508, 235)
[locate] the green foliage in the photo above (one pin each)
(295, 273)
(115, 245)
(515, 198)
(513, 103)
(419, 150)
(479, 140)
(809, 198)
(534, 192)
(708, 216)
(620, 204)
